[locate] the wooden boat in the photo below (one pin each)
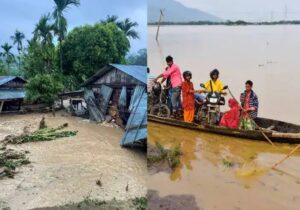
(277, 131)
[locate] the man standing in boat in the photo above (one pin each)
(249, 102)
(174, 73)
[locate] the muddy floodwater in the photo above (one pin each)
(65, 170)
(218, 172)
(268, 55)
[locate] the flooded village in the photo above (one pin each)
(73, 116)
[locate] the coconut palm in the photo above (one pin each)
(43, 31)
(7, 54)
(60, 21)
(18, 39)
(127, 27)
(110, 19)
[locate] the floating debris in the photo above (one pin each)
(10, 160)
(45, 134)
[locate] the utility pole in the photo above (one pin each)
(159, 21)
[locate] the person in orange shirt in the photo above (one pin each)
(188, 97)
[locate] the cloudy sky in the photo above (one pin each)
(24, 14)
(250, 10)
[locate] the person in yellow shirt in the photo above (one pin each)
(214, 84)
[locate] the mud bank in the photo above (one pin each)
(66, 170)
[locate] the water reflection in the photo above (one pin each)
(247, 156)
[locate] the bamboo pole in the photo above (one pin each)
(159, 21)
(260, 129)
(286, 157)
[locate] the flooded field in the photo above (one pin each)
(218, 172)
(66, 170)
(268, 55)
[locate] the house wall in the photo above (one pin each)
(116, 78)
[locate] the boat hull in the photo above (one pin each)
(280, 137)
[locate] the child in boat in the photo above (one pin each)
(188, 97)
(231, 118)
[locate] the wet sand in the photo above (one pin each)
(65, 170)
(249, 184)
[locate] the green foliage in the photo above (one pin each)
(7, 55)
(43, 89)
(138, 59)
(140, 203)
(227, 163)
(88, 48)
(10, 160)
(39, 59)
(3, 69)
(171, 155)
(18, 39)
(45, 134)
(43, 31)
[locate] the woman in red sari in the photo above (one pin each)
(231, 118)
(188, 99)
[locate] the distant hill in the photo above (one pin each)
(176, 12)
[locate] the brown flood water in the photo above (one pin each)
(66, 170)
(248, 184)
(268, 55)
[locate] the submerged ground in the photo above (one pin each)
(66, 170)
(218, 172)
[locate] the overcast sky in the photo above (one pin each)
(250, 10)
(24, 14)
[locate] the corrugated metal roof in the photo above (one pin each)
(12, 94)
(5, 79)
(136, 128)
(137, 72)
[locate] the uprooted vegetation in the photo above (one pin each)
(10, 160)
(172, 155)
(43, 134)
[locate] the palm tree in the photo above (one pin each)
(6, 54)
(127, 27)
(18, 39)
(110, 19)
(43, 31)
(60, 21)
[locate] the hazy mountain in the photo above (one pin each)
(176, 12)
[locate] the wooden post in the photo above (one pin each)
(160, 18)
(1, 106)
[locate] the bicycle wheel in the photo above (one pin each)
(160, 110)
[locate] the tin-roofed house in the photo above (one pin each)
(12, 93)
(119, 91)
